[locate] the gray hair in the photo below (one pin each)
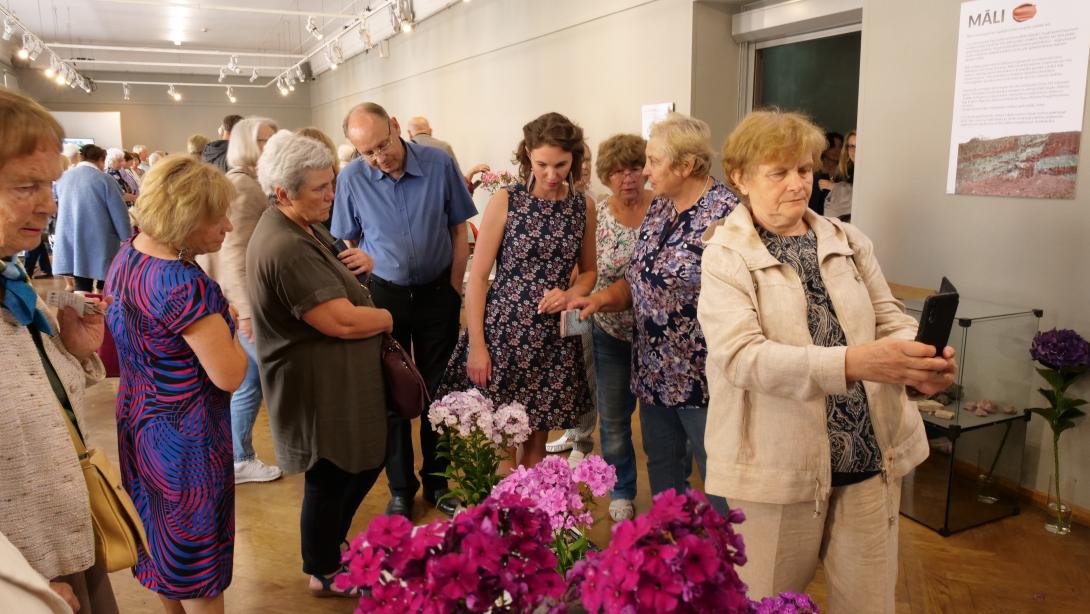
(686, 138)
(243, 150)
(140, 149)
(286, 160)
(114, 154)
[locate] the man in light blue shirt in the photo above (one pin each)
(406, 205)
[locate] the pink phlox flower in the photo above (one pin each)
(452, 576)
(597, 474)
(698, 559)
(388, 531)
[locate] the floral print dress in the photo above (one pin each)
(616, 243)
(531, 363)
(669, 352)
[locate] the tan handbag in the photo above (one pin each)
(118, 529)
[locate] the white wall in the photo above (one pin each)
(1012, 251)
(479, 71)
(102, 126)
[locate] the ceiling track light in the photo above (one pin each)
(70, 76)
(253, 76)
(401, 15)
(62, 75)
(223, 74)
(313, 30)
(231, 94)
(173, 93)
(28, 42)
(232, 65)
(54, 67)
(280, 85)
(9, 29)
(329, 57)
(299, 73)
(365, 37)
(126, 92)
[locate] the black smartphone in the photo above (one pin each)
(335, 245)
(937, 318)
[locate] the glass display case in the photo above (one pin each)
(977, 428)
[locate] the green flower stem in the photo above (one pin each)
(1056, 460)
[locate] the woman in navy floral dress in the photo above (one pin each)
(661, 286)
(180, 359)
(536, 235)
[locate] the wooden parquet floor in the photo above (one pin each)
(1010, 566)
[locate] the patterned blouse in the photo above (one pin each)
(669, 351)
(616, 244)
(852, 443)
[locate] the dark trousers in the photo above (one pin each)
(331, 497)
(425, 323)
(39, 256)
(86, 284)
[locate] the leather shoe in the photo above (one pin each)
(400, 506)
(447, 505)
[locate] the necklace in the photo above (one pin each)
(704, 190)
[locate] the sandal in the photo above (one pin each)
(329, 590)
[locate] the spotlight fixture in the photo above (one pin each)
(9, 28)
(62, 75)
(365, 37)
(291, 83)
(28, 43)
(70, 76)
(331, 58)
(280, 85)
(253, 76)
(299, 76)
(232, 65)
(231, 95)
(312, 28)
(223, 74)
(173, 93)
(338, 54)
(52, 70)
(36, 50)
(86, 85)
(126, 92)
(401, 15)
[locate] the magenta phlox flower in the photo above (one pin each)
(452, 576)
(784, 603)
(484, 550)
(388, 531)
(698, 558)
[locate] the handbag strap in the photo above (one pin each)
(59, 393)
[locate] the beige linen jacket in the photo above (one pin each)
(228, 265)
(44, 509)
(766, 433)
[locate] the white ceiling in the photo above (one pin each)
(272, 30)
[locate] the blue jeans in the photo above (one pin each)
(612, 372)
(245, 403)
(671, 436)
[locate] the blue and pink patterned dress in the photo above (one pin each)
(173, 425)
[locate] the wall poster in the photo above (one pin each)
(1019, 98)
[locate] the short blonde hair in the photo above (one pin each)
(620, 151)
(195, 144)
(25, 127)
(179, 194)
(686, 139)
(771, 136)
(242, 148)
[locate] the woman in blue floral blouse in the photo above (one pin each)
(661, 286)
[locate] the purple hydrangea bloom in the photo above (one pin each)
(1060, 349)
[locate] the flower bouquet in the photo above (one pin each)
(566, 496)
(492, 557)
(1065, 356)
(680, 556)
(494, 181)
(474, 435)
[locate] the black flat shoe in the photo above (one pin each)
(446, 504)
(400, 506)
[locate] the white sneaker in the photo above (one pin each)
(622, 509)
(563, 443)
(254, 470)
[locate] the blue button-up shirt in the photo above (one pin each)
(404, 224)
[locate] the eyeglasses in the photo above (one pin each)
(382, 149)
(625, 173)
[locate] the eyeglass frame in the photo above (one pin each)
(625, 172)
(382, 150)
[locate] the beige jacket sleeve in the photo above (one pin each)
(245, 210)
(889, 313)
(728, 315)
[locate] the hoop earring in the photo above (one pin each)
(571, 183)
(183, 253)
(530, 182)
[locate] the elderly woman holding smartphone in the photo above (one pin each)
(809, 428)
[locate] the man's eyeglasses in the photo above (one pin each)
(382, 149)
(625, 173)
